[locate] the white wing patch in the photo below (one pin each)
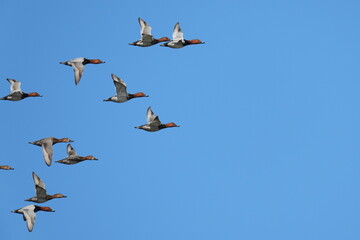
(177, 33)
(29, 217)
(120, 86)
(78, 71)
(47, 152)
(70, 150)
(144, 27)
(14, 85)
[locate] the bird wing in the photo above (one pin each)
(70, 150)
(38, 181)
(15, 85)
(151, 118)
(145, 28)
(29, 217)
(120, 86)
(177, 33)
(78, 71)
(47, 152)
(40, 192)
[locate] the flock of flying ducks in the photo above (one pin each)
(78, 64)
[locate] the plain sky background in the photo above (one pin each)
(268, 146)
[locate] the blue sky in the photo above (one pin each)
(268, 108)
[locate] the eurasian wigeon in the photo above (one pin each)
(46, 146)
(153, 123)
(178, 40)
(29, 214)
(147, 39)
(41, 195)
(73, 158)
(6, 167)
(78, 65)
(16, 94)
(121, 93)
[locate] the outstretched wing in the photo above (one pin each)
(78, 71)
(29, 217)
(39, 186)
(120, 86)
(38, 181)
(145, 28)
(177, 33)
(70, 150)
(151, 118)
(47, 152)
(15, 85)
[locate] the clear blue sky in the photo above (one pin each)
(268, 146)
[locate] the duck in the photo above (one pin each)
(78, 65)
(73, 158)
(6, 167)
(29, 214)
(121, 93)
(178, 40)
(41, 195)
(153, 123)
(15, 92)
(46, 146)
(147, 39)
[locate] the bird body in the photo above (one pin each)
(46, 146)
(178, 40)
(15, 92)
(153, 123)
(78, 64)
(41, 195)
(147, 39)
(73, 158)
(121, 93)
(29, 214)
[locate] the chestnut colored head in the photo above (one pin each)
(90, 157)
(46, 209)
(195, 41)
(59, 195)
(168, 125)
(95, 61)
(6, 167)
(64, 140)
(163, 39)
(34, 94)
(140, 94)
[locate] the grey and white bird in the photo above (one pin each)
(29, 214)
(73, 158)
(78, 64)
(46, 147)
(41, 195)
(153, 123)
(15, 92)
(121, 94)
(147, 39)
(178, 40)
